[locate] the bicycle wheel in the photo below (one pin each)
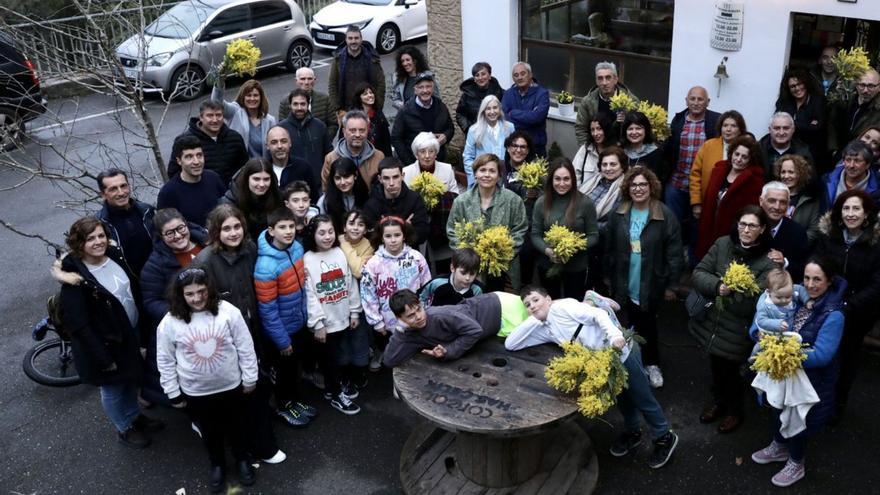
(46, 364)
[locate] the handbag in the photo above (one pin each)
(697, 305)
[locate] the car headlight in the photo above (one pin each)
(160, 59)
(361, 25)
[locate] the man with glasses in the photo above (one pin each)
(850, 118)
(424, 113)
(194, 191)
(780, 141)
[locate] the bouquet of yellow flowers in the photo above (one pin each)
(533, 173)
(622, 102)
(780, 356)
(241, 58)
(494, 244)
(430, 187)
(658, 117)
(740, 280)
(851, 64)
(597, 376)
(565, 243)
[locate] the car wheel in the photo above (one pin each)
(11, 129)
(299, 55)
(388, 38)
(187, 83)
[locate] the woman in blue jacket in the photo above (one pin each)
(820, 324)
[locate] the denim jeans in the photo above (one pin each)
(797, 445)
(120, 403)
(638, 398)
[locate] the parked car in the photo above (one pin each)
(384, 23)
(20, 96)
(177, 50)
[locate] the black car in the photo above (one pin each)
(20, 97)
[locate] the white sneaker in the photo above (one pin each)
(278, 458)
(655, 376)
(376, 361)
(195, 427)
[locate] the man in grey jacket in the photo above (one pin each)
(447, 332)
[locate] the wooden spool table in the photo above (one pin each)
(496, 427)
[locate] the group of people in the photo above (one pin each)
(291, 248)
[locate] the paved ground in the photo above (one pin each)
(58, 440)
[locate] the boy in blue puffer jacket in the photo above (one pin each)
(279, 277)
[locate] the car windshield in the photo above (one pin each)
(367, 2)
(180, 21)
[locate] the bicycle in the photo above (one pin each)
(50, 362)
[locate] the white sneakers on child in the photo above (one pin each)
(655, 376)
(278, 458)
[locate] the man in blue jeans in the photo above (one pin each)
(557, 322)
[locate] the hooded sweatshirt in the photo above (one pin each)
(384, 274)
(367, 162)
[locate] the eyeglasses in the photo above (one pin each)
(180, 230)
(748, 226)
(639, 185)
(867, 86)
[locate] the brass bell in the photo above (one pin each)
(721, 74)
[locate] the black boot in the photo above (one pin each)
(218, 479)
(246, 473)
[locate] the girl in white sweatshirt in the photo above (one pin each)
(334, 307)
(206, 362)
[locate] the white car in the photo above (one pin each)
(384, 23)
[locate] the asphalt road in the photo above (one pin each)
(59, 441)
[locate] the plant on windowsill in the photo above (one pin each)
(566, 103)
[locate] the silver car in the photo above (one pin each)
(176, 51)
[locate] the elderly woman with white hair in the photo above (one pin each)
(425, 147)
(487, 135)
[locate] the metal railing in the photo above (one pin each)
(68, 45)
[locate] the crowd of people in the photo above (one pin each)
(292, 250)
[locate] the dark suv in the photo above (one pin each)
(20, 97)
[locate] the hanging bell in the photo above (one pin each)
(721, 71)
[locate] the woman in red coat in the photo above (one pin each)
(734, 183)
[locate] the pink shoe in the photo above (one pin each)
(775, 452)
(790, 474)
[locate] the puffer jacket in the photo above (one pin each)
(662, 259)
(100, 332)
(859, 265)
(470, 100)
(224, 155)
(160, 270)
(725, 333)
(279, 279)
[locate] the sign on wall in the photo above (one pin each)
(727, 26)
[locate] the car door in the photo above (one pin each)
(228, 25)
(414, 19)
(272, 29)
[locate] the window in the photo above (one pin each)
(267, 13)
(564, 39)
(231, 21)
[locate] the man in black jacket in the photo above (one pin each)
(781, 141)
(424, 113)
(690, 128)
(308, 135)
(391, 197)
(129, 222)
(223, 148)
(288, 168)
(789, 243)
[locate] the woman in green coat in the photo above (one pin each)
(725, 333)
(644, 259)
(496, 206)
(563, 204)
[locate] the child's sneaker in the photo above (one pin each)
(344, 405)
(663, 449)
(350, 391)
(655, 376)
(293, 417)
(625, 443)
(775, 452)
(305, 409)
(376, 361)
(790, 474)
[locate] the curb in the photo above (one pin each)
(75, 85)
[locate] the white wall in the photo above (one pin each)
(755, 70)
(490, 33)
